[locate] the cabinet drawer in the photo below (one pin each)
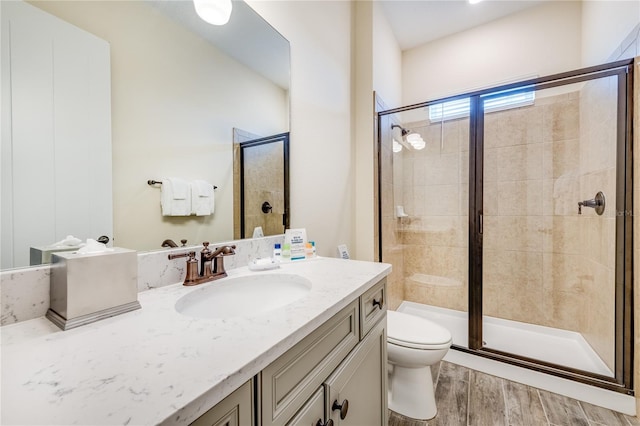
(235, 410)
(373, 306)
(291, 379)
(312, 413)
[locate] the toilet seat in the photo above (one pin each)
(415, 332)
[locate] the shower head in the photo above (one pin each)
(404, 131)
(414, 139)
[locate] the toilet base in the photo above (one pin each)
(411, 392)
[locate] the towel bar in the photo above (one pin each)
(159, 182)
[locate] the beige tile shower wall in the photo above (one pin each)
(598, 117)
(434, 236)
(513, 214)
(543, 263)
(391, 195)
(264, 170)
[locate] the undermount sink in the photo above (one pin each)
(243, 296)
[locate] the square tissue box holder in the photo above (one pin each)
(89, 287)
(42, 255)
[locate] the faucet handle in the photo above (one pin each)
(224, 251)
(205, 248)
(192, 266)
(597, 203)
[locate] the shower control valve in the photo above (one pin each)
(597, 203)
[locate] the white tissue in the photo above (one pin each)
(70, 240)
(92, 246)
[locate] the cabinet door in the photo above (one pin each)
(234, 410)
(311, 413)
(289, 381)
(357, 389)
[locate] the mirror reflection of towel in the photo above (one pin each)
(176, 197)
(202, 198)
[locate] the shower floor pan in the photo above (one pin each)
(547, 344)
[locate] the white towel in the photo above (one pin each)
(202, 198)
(176, 197)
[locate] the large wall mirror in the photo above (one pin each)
(177, 88)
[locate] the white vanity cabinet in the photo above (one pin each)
(355, 393)
(336, 375)
(357, 390)
(236, 409)
(313, 412)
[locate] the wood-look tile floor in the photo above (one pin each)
(468, 397)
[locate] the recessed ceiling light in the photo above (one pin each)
(474, 1)
(215, 12)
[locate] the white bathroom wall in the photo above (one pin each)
(605, 24)
(363, 129)
(536, 42)
(322, 181)
(387, 60)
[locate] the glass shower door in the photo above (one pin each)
(424, 217)
(548, 241)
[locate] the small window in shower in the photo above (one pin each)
(460, 108)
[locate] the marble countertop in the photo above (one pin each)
(155, 365)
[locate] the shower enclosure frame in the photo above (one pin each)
(622, 381)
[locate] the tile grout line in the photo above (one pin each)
(584, 413)
(468, 395)
(506, 404)
(544, 410)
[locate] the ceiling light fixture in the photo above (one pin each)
(397, 146)
(474, 1)
(416, 141)
(215, 12)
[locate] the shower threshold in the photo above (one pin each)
(531, 339)
(546, 344)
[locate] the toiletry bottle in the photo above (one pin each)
(286, 253)
(277, 253)
(313, 246)
(308, 250)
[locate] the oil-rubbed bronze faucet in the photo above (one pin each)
(207, 257)
(169, 243)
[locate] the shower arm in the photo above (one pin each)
(403, 131)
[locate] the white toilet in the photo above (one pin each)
(413, 345)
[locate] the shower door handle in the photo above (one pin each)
(480, 224)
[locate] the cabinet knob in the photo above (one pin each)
(378, 302)
(344, 408)
(328, 423)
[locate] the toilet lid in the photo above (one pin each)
(415, 332)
